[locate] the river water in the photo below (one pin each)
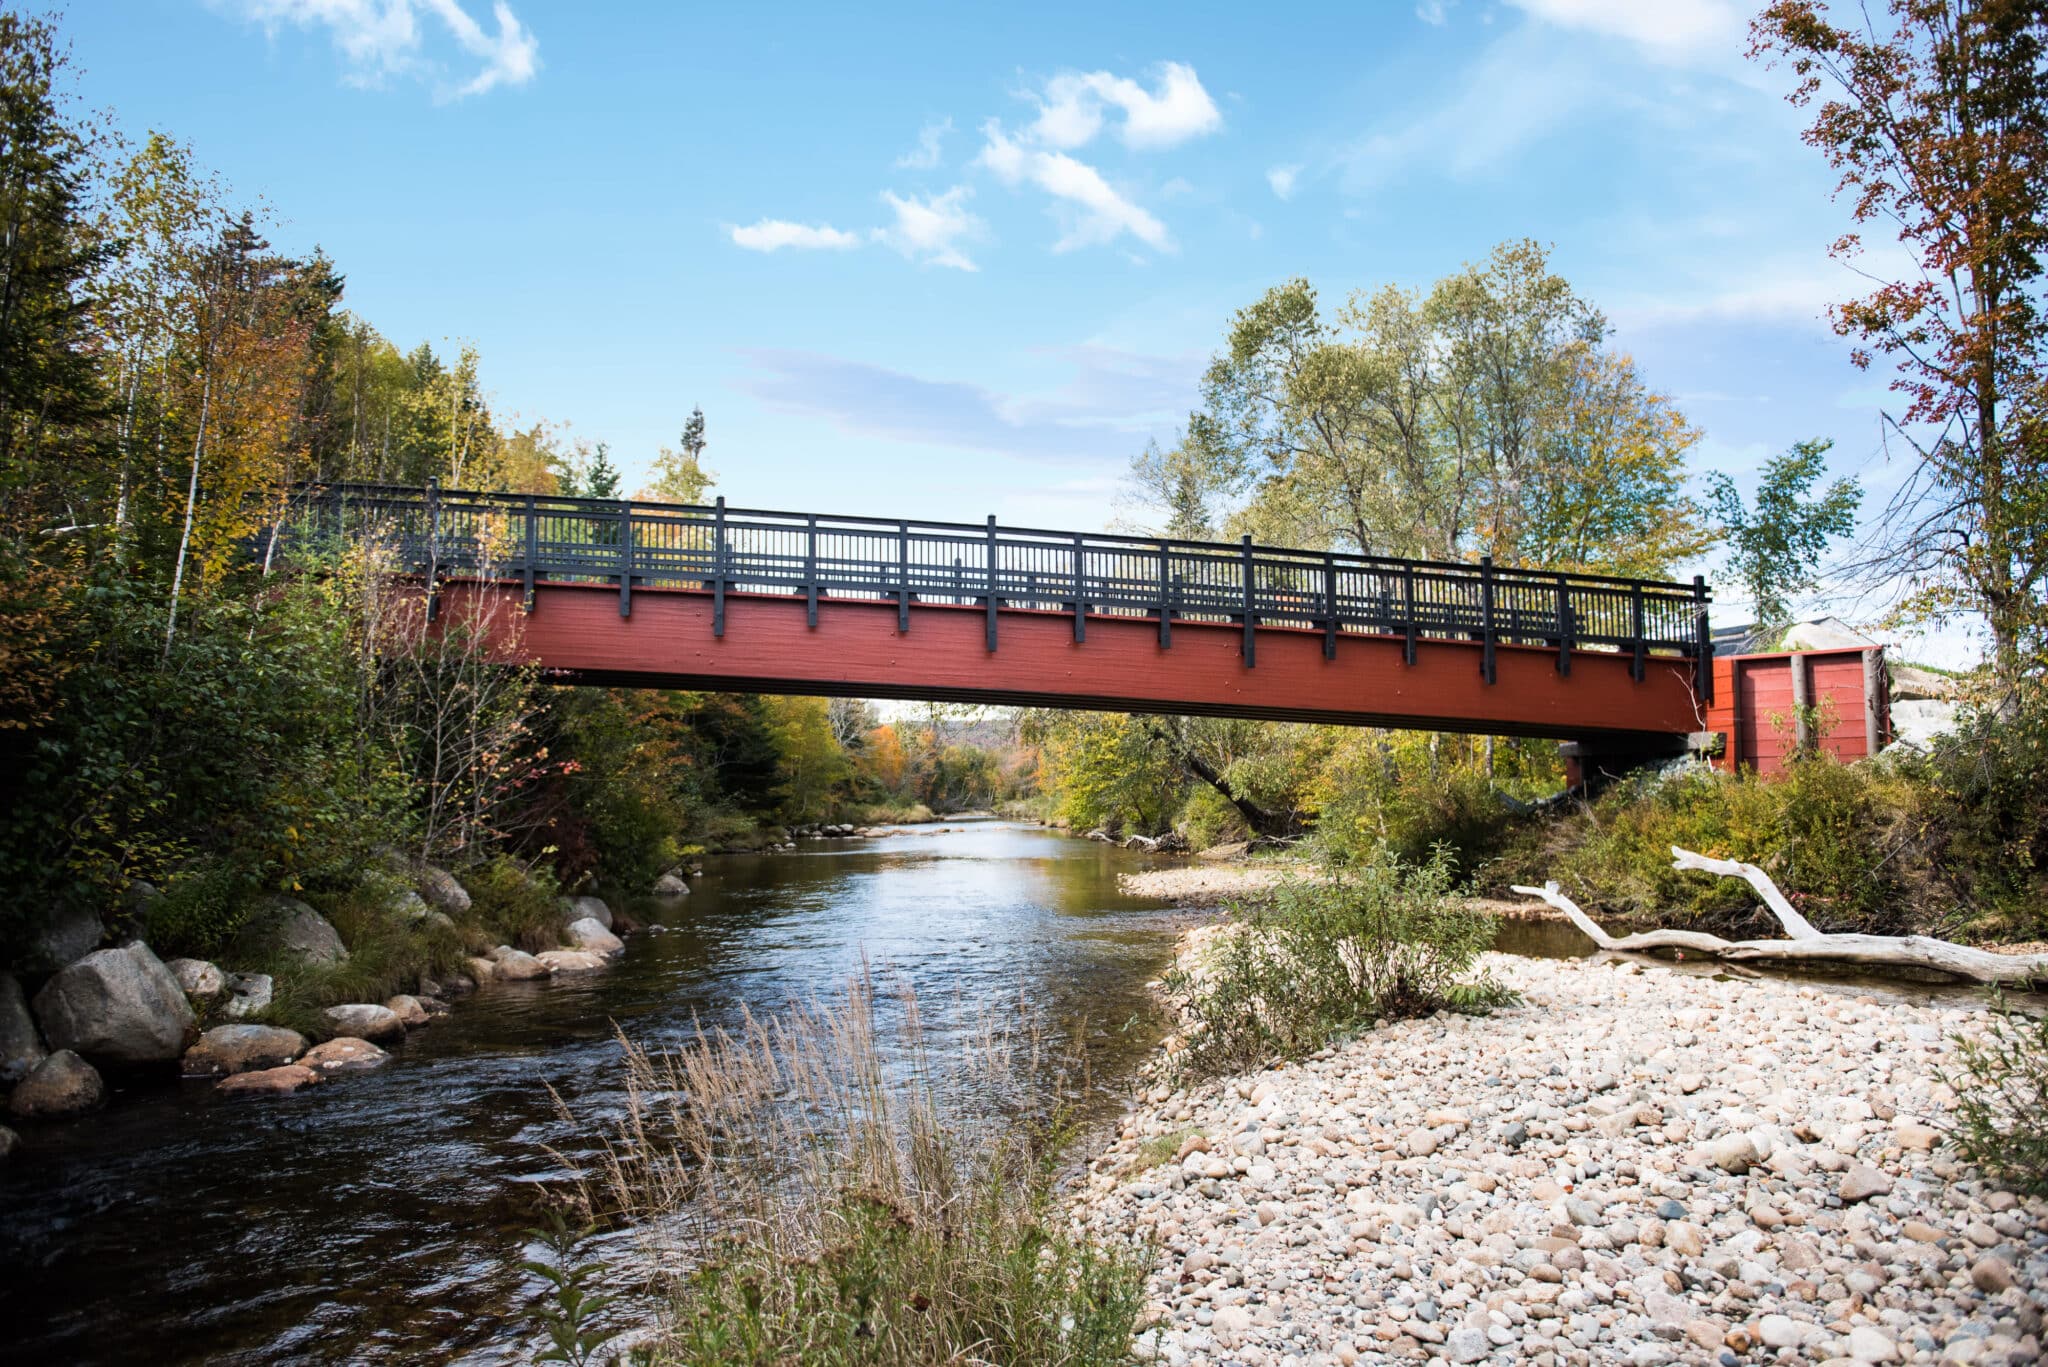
(379, 1218)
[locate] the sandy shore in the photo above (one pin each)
(1642, 1164)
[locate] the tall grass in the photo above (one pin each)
(832, 1190)
(2000, 1078)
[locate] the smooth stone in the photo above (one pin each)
(516, 965)
(268, 1081)
(1782, 1331)
(9, 1142)
(669, 885)
(569, 960)
(280, 926)
(1991, 1275)
(589, 935)
(198, 978)
(228, 1049)
(250, 994)
(411, 1012)
(364, 1020)
(66, 936)
(482, 970)
(586, 908)
(1862, 1182)
(1867, 1343)
(1467, 1344)
(1734, 1153)
(61, 1085)
(21, 1047)
(118, 1004)
(442, 891)
(343, 1054)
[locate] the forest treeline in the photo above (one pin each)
(177, 711)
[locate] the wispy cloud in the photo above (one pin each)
(1114, 401)
(384, 38)
(932, 228)
(1669, 28)
(1072, 106)
(1091, 208)
(773, 234)
(930, 147)
(1434, 11)
(1282, 179)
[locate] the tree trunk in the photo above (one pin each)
(191, 504)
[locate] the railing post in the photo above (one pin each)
(1330, 623)
(1703, 642)
(433, 549)
(903, 577)
(991, 599)
(1635, 669)
(532, 548)
(625, 559)
(1080, 591)
(1251, 616)
(1408, 594)
(1486, 616)
(811, 572)
(1165, 597)
(1564, 627)
(718, 567)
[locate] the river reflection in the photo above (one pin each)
(377, 1218)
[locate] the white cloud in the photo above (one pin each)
(1072, 106)
(930, 147)
(1670, 27)
(773, 234)
(1097, 213)
(931, 229)
(384, 38)
(1282, 179)
(1433, 11)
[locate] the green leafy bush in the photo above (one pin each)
(1984, 811)
(511, 904)
(199, 911)
(2001, 1086)
(1372, 940)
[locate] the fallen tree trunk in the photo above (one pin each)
(1808, 944)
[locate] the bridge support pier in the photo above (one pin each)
(1590, 766)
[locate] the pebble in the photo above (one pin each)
(1642, 1164)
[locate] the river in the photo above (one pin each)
(379, 1218)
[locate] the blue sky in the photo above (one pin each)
(948, 260)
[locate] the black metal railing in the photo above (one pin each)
(721, 550)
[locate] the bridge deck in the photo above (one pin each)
(715, 597)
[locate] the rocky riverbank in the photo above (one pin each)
(1641, 1164)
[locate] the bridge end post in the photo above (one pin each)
(1703, 641)
(625, 559)
(718, 567)
(1080, 589)
(990, 600)
(1251, 614)
(1486, 661)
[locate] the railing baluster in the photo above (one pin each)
(1564, 627)
(991, 600)
(1635, 668)
(1408, 593)
(903, 577)
(1251, 616)
(811, 572)
(625, 560)
(1703, 642)
(718, 567)
(1330, 624)
(1080, 590)
(532, 550)
(1165, 600)
(1486, 616)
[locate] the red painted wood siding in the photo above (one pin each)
(855, 650)
(1754, 711)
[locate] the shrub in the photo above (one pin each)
(1984, 811)
(198, 912)
(828, 1211)
(510, 904)
(388, 953)
(2001, 1087)
(1375, 939)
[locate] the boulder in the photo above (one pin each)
(280, 925)
(413, 907)
(269, 1081)
(482, 970)
(343, 1054)
(669, 885)
(441, 890)
(198, 978)
(229, 1049)
(516, 965)
(576, 909)
(437, 920)
(411, 1013)
(66, 937)
(569, 960)
(249, 993)
(119, 1004)
(587, 934)
(9, 1142)
(62, 1084)
(365, 1021)
(21, 1048)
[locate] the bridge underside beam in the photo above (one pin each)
(576, 634)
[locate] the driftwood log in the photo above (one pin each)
(1806, 944)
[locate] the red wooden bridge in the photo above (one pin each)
(711, 597)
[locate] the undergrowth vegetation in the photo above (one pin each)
(2001, 1085)
(1368, 941)
(839, 1194)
